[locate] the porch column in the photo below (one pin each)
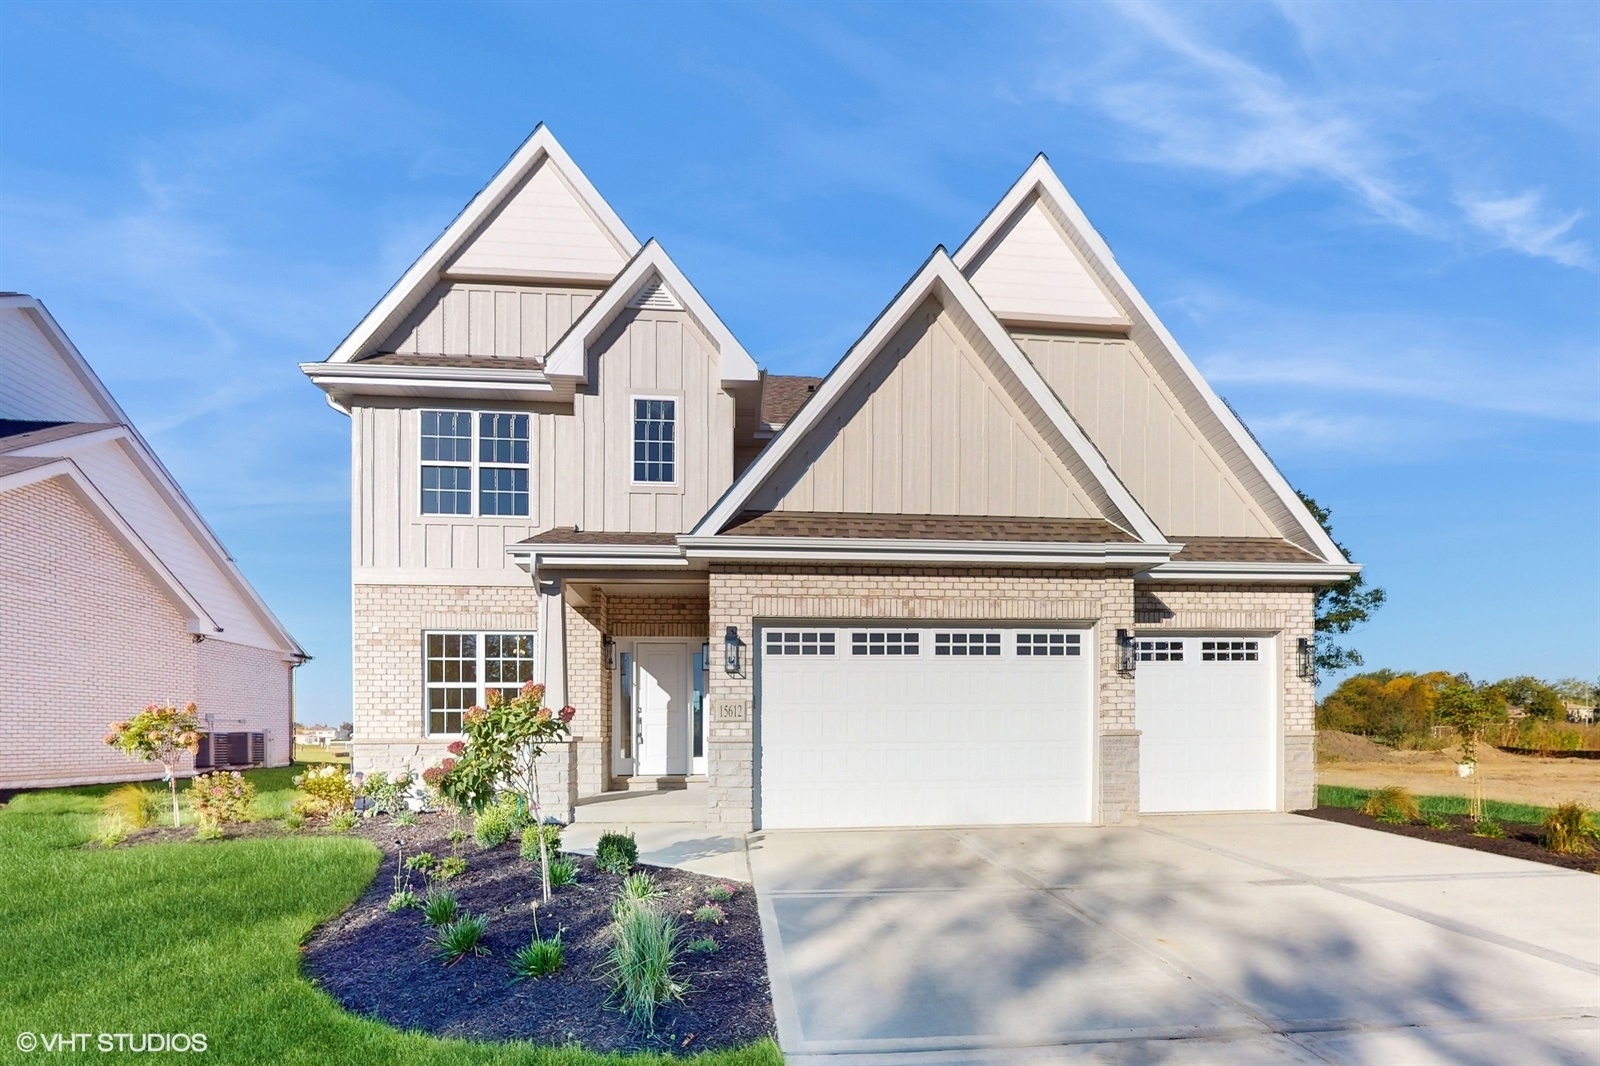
(553, 641)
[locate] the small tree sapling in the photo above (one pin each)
(160, 733)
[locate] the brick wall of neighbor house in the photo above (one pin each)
(88, 638)
(246, 689)
(742, 594)
(1287, 612)
(388, 622)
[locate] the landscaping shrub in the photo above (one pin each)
(495, 824)
(327, 791)
(208, 831)
(710, 914)
(455, 940)
(440, 907)
(703, 946)
(422, 862)
(388, 794)
(563, 871)
(405, 899)
(720, 893)
(551, 831)
(134, 805)
(642, 960)
(1489, 828)
(615, 853)
(1570, 830)
(539, 959)
(221, 797)
(1392, 804)
(448, 868)
(640, 888)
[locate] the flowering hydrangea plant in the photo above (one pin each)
(160, 733)
(327, 789)
(221, 797)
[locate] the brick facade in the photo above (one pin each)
(89, 637)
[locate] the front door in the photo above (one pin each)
(662, 696)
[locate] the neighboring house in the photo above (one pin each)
(1011, 561)
(116, 592)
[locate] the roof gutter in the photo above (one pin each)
(1280, 573)
(862, 549)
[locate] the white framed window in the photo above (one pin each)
(461, 669)
(655, 440)
(466, 450)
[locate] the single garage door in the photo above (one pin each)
(886, 726)
(1208, 724)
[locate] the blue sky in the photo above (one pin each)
(1372, 226)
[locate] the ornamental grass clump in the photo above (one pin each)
(135, 806)
(642, 961)
(222, 797)
(455, 940)
(162, 734)
(1570, 829)
(440, 907)
(563, 872)
(1393, 805)
(710, 914)
(640, 888)
(541, 957)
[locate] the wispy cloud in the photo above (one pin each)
(1526, 223)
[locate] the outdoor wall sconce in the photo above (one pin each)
(608, 651)
(1305, 659)
(733, 652)
(1127, 652)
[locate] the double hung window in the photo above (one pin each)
(463, 451)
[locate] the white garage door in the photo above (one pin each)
(891, 725)
(1207, 723)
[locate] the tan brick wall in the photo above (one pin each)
(1286, 612)
(244, 688)
(742, 594)
(388, 623)
(88, 637)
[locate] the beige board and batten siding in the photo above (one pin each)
(1032, 272)
(1145, 435)
(493, 321)
(928, 429)
(541, 230)
(35, 382)
(651, 353)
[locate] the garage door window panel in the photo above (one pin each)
(966, 644)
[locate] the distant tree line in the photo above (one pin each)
(1392, 706)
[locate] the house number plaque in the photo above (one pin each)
(732, 711)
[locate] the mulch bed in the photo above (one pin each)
(383, 966)
(1520, 842)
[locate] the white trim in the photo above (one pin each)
(1292, 573)
(1041, 178)
(568, 360)
(423, 274)
(940, 278)
(676, 400)
(200, 622)
(935, 552)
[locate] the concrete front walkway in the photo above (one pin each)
(668, 825)
(1243, 938)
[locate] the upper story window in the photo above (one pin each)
(452, 466)
(655, 441)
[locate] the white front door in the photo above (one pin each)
(1207, 716)
(661, 691)
(883, 725)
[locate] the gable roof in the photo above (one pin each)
(585, 218)
(1040, 186)
(939, 278)
(67, 438)
(647, 273)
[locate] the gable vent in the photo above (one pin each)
(655, 296)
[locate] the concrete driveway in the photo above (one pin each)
(1242, 938)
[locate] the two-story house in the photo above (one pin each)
(1011, 561)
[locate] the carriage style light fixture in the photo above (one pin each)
(1127, 652)
(733, 652)
(608, 650)
(1305, 659)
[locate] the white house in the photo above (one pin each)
(116, 593)
(1011, 561)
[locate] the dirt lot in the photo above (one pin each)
(1356, 761)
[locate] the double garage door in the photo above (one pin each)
(907, 725)
(917, 726)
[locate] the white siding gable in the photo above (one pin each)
(542, 230)
(36, 382)
(491, 321)
(1031, 272)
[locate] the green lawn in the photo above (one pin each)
(203, 938)
(1343, 796)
